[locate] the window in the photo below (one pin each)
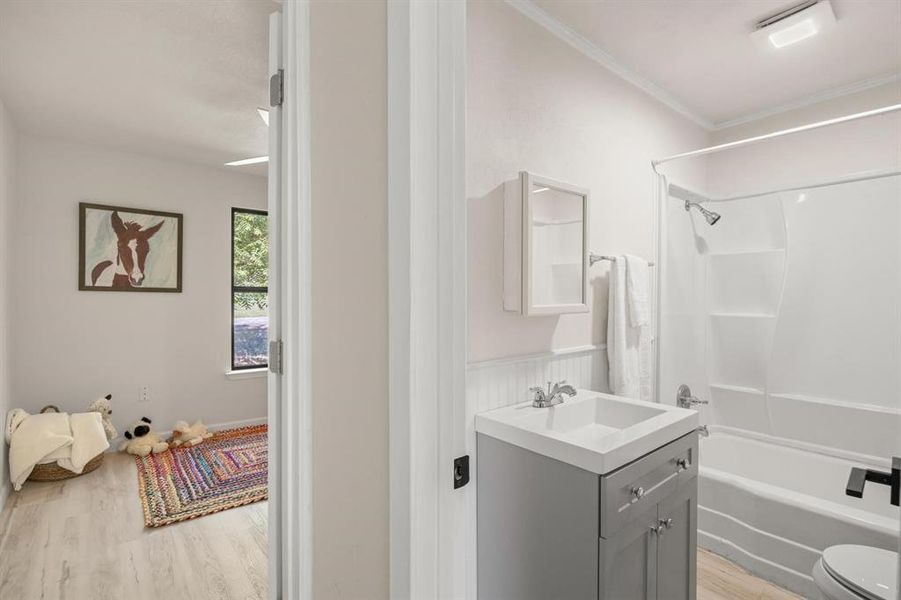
(250, 288)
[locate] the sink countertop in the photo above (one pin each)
(594, 431)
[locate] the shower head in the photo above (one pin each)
(711, 216)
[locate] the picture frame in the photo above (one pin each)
(124, 249)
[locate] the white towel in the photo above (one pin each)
(637, 289)
(628, 350)
(36, 439)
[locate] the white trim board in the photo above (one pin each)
(602, 57)
(429, 527)
(509, 360)
(291, 393)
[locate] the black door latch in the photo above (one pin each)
(859, 477)
(461, 471)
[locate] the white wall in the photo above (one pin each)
(865, 145)
(8, 157)
(70, 347)
(534, 103)
(348, 73)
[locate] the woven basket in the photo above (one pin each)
(54, 472)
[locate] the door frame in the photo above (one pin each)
(290, 400)
(432, 525)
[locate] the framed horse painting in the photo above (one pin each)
(128, 249)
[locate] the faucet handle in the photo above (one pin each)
(538, 394)
(685, 399)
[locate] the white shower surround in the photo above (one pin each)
(784, 316)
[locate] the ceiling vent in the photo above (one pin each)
(794, 25)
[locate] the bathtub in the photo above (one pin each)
(773, 508)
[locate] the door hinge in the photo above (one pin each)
(461, 471)
(277, 88)
(276, 350)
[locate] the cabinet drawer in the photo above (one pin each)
(644, 482)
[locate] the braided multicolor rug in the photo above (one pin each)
(226, 471)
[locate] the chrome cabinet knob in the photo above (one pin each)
(657, 529)
(666, 523)
(682, 463)
(637, 493)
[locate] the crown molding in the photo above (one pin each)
(589, 49)
(583, 45)
(830, 94)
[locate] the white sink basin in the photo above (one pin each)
(593, 431)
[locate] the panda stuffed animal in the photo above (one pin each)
(140, 440)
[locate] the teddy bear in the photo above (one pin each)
(140, 440)
(189, 435)
(105, 408)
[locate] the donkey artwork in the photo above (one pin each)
(132, 248)
(130, 267)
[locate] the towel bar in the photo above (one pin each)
(593, 258)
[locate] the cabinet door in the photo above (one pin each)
(628, 560)
(677, 544)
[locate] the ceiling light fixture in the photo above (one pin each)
(264, 114)
(247, 161)
(791, 26)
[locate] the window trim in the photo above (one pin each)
(242, 288)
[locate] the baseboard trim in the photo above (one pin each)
(114, 445)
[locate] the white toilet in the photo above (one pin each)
(851, 572)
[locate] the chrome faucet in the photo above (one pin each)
(553, 395)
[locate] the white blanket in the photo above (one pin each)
(70, 441)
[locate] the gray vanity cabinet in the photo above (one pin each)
(627, 560)
(653, 555)
(550, 531)
(677, 544)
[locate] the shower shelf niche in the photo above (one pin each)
(726, 315)
(737, 253)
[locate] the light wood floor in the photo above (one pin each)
(84, 539)
(719, 579)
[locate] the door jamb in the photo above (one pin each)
(290, 393)
(432, 525)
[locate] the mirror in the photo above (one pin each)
(550, 251)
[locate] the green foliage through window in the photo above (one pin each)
(250, 288)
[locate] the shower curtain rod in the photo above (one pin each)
(775, 134)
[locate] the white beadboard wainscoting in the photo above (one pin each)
(505, 381)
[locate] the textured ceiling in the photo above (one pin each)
(178, 79)
(701, 53)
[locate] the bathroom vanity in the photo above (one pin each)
(595, 498)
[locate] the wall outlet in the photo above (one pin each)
(144, 393)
